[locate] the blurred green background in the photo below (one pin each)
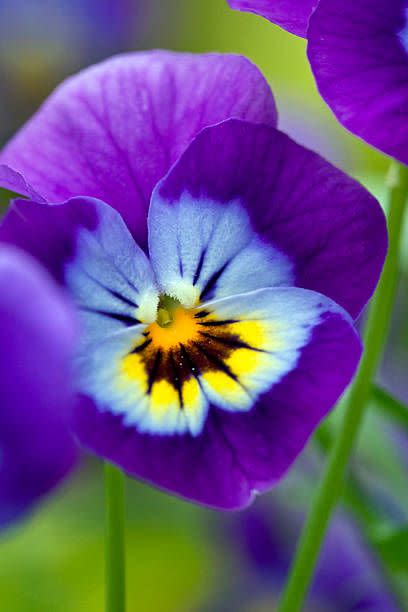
(181, 558)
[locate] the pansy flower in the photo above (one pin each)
(358, 52)
(37, 333)
(217, 270)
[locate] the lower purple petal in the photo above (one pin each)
(236, 455)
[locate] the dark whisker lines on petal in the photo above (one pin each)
(199, 266)
(127, 320)
(231, 341)
(141, 347)
(113, 292)
(212, 281)
(177, 380)
(154, 371)
(215, 323)
(215, 360)
(180, 361)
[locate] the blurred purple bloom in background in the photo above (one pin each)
(358, 53)
(348, 577)
(262, 540)
(41, 41)
(250, 238)
(37, 334)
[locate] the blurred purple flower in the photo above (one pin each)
(358, 52)
(37, 333)
(85, 29)
(348, 576)
(42, 41)
(206, 368)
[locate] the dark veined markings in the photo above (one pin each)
(208, 352)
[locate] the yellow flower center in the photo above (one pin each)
(173, 327)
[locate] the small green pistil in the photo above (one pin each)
(165, 310)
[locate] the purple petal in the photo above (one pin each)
(14, 181)
(359, 56)
(115, 129)
(202, 249)
(238, 453)
(330, 228)
(36, 394)
(292, 15)
(49, 232)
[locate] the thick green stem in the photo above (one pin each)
(375, 335)
(115, 541)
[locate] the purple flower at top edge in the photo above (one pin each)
(291, 15)
(37, 332)
(358, 53)
(217, 320)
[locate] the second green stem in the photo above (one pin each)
(115, 539)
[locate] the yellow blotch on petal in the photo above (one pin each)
(134, 369)
(192, 397)
(227, 389)
(244, 361)
(163, 396)
(259, 334)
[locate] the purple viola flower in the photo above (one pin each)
(358, 52)
(37, 333)
(359, 56)
(217, 299)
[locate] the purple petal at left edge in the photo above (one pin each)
(358, 52)
(37, 332)
(331, 229)
(114, 130)
(291, 15)
(236, 455)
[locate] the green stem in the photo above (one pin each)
(115, 541)
(375, 335)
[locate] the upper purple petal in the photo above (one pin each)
(37, 334)
(115, 129)
(292, 15)
(332, 230)
(359, 55)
